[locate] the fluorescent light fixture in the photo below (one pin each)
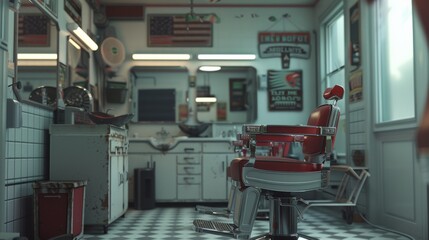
(149, 56)
(205, 99)
(37, 63)
(76, 30)
(210, 68)
(37, 56)
(74, 44)
(226, 56)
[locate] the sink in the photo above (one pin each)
(165, 144)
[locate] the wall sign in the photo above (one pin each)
(273, 44)
(355, 37)
(178, 31)
(285, 90)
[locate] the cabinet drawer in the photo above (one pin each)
(215, 147)
(189, 159)
(189, 192)
(189, 169)
(141, 147)
(191, 147)
(188, 179)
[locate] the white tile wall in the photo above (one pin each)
(358, 130)
(26, 156)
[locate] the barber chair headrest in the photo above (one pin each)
(334, 93)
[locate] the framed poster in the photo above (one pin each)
(285, 90)
(237, 94)
(33, 30)
(355, 53)
(179, 31)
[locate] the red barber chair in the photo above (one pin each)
(270, 149)
(278, 177)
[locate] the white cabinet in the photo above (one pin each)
(214, 176)
(165, 177)
(189, 176)
(194, 170)
(98, 154)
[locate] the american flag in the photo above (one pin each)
(177, 31)
(33, 30)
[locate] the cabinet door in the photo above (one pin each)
(165, 176)
(116, 186)
(126, 181)
(214, 177)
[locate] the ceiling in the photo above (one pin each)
(215, 3)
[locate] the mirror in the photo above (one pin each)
(159, 94)
(37, 55)
(78, 61)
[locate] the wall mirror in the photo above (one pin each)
(78, 61)
(159, 94)
(37, 55)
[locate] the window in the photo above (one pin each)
(332, 68)
(335, 54)
(395, 83)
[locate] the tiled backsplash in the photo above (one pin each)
(27, 154)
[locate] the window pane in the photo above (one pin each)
(396, 73)
(335, 36)
(338, 78)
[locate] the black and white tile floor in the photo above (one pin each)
(174, 223)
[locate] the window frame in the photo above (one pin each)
(388, 125)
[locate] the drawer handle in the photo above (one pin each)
(187, 179)
(188, 158)
(189, 149)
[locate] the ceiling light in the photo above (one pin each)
(74, 44)
(149, 56)
(37, 63)
(226, 56)
(205, 99)
(209, 68)
(37, 56)
(76, 30)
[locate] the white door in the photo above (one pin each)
(214, 176)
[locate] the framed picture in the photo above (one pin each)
(285, 90)
(179, 31)
(33, 30)
(237, 94)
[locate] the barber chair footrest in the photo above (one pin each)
(219, 228)
(219, 211)
(269, 237)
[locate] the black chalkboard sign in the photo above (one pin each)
(157, 105)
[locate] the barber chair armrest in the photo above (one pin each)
(347, 170)
(291, 130)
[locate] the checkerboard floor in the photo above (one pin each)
(175, 223)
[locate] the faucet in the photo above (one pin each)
(163, 134)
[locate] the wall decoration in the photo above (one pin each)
(33, 30)
(285, 90)
(221, 111)
(355, 86)
(273, 44)
(179, 31)
(285, 60)
(237, 94)
(355, 45)
(74, 9)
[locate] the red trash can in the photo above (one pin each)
(58, 208)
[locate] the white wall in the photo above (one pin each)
(234, 34)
